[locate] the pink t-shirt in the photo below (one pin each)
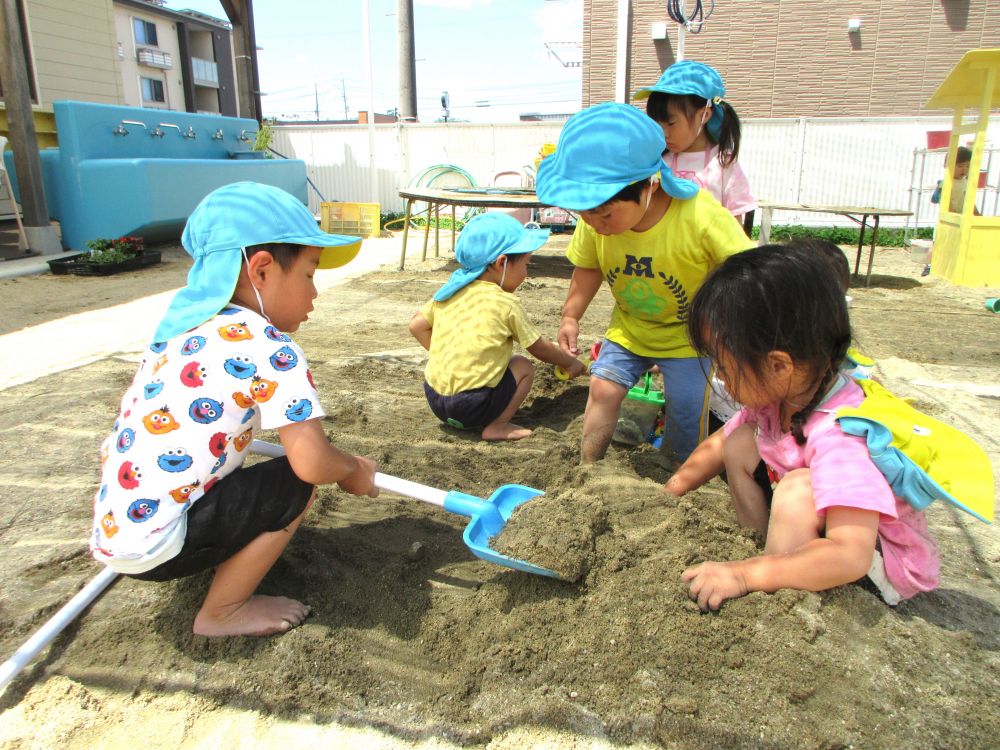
(728, 184)
(842, 474)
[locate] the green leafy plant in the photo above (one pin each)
(263, 140)
(887, 236)
(103, 250)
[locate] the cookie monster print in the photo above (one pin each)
(193, 374)
(298, 410)
(129, 476)
(284, 359)
(125, 439)
(205, 410)
(240, 366)
(157, 346)
(235, 332)
(152, 389)
(219, 463)
(193, 345)
(174, 460)
(143, 510)
(275, 335)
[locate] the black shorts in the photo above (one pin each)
(760, 475)
(473, 409)
(239, 508)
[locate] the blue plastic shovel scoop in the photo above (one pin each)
(487, 516)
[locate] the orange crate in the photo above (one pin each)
(354, 219)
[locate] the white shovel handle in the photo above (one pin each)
(44, 635)
(382, 481)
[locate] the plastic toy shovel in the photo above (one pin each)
(488, 516)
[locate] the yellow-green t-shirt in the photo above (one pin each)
(472, 337)
(654, 274)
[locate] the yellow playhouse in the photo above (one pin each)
(966, 246)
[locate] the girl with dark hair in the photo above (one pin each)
(702, 132)
(774, 322)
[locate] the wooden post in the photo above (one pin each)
(21, 124)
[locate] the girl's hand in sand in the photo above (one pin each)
(712, 583)
(361, 481)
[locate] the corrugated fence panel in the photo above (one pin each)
(832, 161)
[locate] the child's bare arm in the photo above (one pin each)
(705, 462)
(316, 460)
(546, 351)
(420, 329)
(582, 288)
(843, 555)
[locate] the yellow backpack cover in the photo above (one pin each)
(922, 459)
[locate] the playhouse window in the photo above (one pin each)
(152, 90)
(145, 32)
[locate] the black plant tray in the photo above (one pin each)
(82, 268)
(60, 266)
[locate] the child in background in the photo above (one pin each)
(175, 498)
(959, 187)
(774, 322)
(652, 237)
(702, 132)
(470, 326)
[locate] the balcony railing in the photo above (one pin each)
(204, 72)
(154, 58)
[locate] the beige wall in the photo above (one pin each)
(72, 47)
(166, 37)
(788, 58)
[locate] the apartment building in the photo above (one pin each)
(793, 58)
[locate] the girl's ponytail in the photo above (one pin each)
(799, 418)
(729, 134)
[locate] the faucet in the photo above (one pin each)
(189, 133)
(246, 138)
(159, 133)
(156, 132)
(120, 128)
(217, 135)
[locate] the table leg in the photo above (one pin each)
(427, 229)
(861, 242)
(765, 226)
(437, 231)
(406, 232)
(452, 228)
(871, 253)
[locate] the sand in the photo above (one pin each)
(413, 642)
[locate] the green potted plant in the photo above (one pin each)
(109, 256)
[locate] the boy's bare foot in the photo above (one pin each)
(258, 615)
(505, 431)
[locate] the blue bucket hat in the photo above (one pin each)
(690, 77)
(484, 239)
(601, 150)
(227, 220)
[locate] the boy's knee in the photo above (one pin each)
(606, 391)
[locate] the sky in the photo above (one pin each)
(489, 55)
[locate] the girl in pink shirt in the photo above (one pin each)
(775, 324)
(702, 132)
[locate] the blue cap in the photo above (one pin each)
(484, 239)
(227, 220)
(690, 77)
(601, 150)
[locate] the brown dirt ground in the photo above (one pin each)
(413, 642)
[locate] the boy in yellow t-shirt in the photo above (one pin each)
(653, 238)
(470, 326)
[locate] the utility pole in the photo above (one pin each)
(407, 62)
(316, 94)
(343, 91)
(21, 124)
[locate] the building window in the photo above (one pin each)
(145, 32)
(152, 90)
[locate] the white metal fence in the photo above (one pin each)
(832, 161)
